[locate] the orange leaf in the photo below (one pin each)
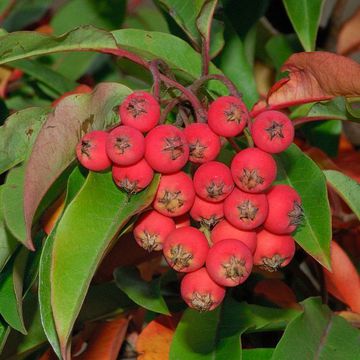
(349, 36)
(52, 214)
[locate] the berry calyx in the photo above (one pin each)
(229, 262)
(91, 151)
(207, 213)
(140, 110)
(200, 292)
(253, 170)
(185, 249)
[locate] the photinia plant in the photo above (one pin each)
(176, 182)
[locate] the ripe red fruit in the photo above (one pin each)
(227, 116)
(253, 170)
(151, 230)
(285, 211)
(224, 230)
(204, 144)
(207, 213)
(245, 211)
(175, 194)
(125, 145)
(213, 181)
(166, 149)
(185, 249)
(140, 110)
(229, 262)
(91, 151)
(273, 251)
(272, 131)
(200, 292)
(133, 178)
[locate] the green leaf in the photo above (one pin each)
(103, 210)
(305, 18)
(257, 354)
(144, 293)
(299, 171)
(324, 336)
(4, 334)
(347, 188)
(353, 107)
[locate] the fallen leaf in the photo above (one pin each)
(349, 35)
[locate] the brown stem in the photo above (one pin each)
(205, 49)
(167, 110)
(156, 78)
(233, 144)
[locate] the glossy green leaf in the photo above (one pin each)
(324, 336)
(346, 187)
(144, 293)
(257, 354)
(18, 134)
(305, 18)
(299, 171)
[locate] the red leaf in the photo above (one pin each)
(349, 36)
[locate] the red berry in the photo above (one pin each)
(213, 181)
(166, 149)
(273, 251)
(91, 151)
(203, 142)
(227, 116)
(182, 220)
(175, 194)
(200, 292)
(207, 213)
(133, 178)
(151, 230)
(185, 249)
(253, 170)
(125, 145)
(245, 211)
(140, 110)
(285, 211)
(229, 262)
(272, 131)
(224, 230)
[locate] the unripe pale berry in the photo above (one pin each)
(151, 230)
(166, 149)
(213, 181)
(227, 116)
(207, 213)
(140, 110)
(185, 249)
(272, 131)
(253, 170)
(224, 230)
(133, 178)
(175, 194)
(273, 251)
(285, 211)
(204, 144)
(200, 292)
(229, 262)
(91, 151)
(245, 211)
(125, 145)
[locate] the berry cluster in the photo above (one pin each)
(244, 219)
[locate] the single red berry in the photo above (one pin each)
(229, 262)
(91, 151)
(185, 249)
(125, 145)
(166, 149)
(175, 194)
(204, 144)
(182, 220)
(253, 170)
(272, 131)
(224, 230)
(140, 110)
(245, 211)
(213, 181)
(207, 213)
(273, 251)
(133, 178)
(151, 230)
(227, 116)
(200, 292)
(285, 211)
